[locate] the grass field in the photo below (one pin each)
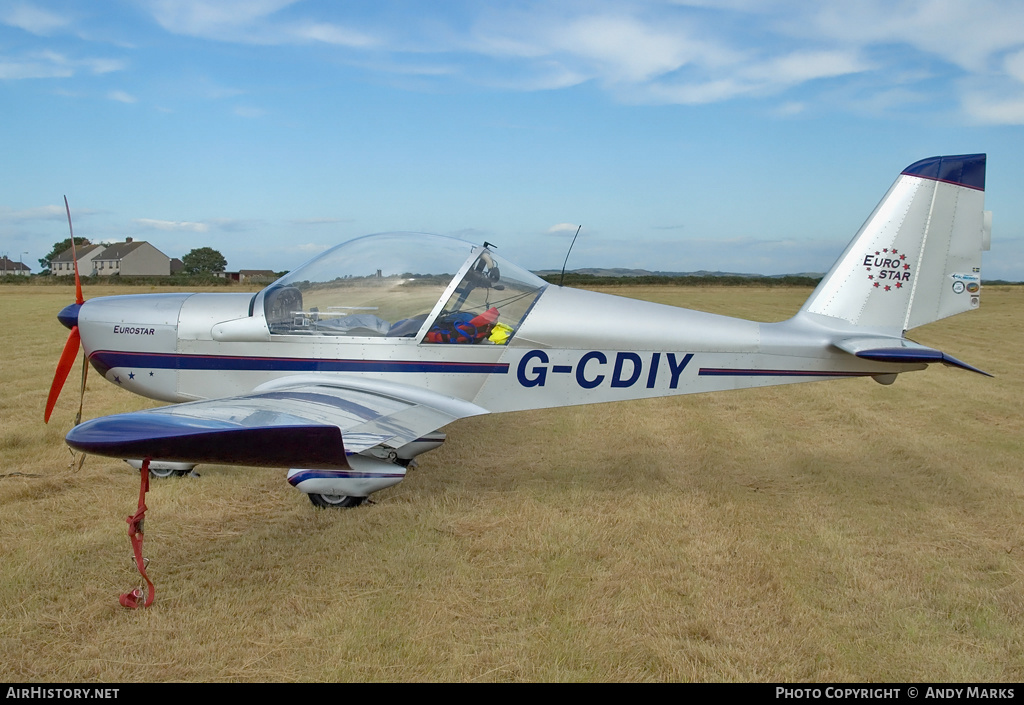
(836, 531)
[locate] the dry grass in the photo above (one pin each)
(838, 531)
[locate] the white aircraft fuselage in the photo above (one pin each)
(161, 346)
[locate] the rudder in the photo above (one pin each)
(917, 258)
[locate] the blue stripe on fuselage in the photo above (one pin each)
(730, 372)
(105, 360)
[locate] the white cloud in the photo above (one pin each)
(32, 19)
(625, 49)
(543, 76)
(51, 64)
(17, 69)
(686, 52)
(645, 52)
(319, 221)
(251, 21)
(994, 108)
(121, 97)
(1014, 66)
(231, 225)
(740, 255)
(965, 32)
(563, 228)
(153, 224)
(249, 112)
(998, 97)
(312, 247)
(213, 19)
(801, 66)
(332, 34)
(653, 53)
(101, 66)
(790, 108)
(37, 213)
(771, 75)
(697, 93)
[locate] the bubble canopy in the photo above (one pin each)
(402, 286)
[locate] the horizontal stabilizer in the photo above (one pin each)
(901, 351)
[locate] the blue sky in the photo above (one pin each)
(750, 136)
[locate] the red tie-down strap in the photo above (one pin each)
(135, 525)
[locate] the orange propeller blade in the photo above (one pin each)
(67, 361)
(79, 299)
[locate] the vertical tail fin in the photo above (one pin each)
(917, 258)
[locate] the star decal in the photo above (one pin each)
(131, 375)
(894, 270)
(150, 374)
(117, 379)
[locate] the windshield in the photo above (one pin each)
(391, 285)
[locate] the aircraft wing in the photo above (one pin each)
(301, 421)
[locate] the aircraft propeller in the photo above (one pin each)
(69, 318)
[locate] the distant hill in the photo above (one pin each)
(621, 272)
(634, 277)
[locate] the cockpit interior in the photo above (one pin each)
(427, 288)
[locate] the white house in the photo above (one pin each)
(9, 268)
(131, 258)
(63, 264)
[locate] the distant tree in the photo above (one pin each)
(59, 247)
(204, 259)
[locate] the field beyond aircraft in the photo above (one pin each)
(345, 369)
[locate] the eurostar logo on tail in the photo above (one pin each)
(888, 269)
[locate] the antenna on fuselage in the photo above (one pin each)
(562, 278)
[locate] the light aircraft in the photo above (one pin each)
(345, 369)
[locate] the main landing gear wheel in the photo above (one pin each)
(339, 501)
(163, 468)
(167, 472)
